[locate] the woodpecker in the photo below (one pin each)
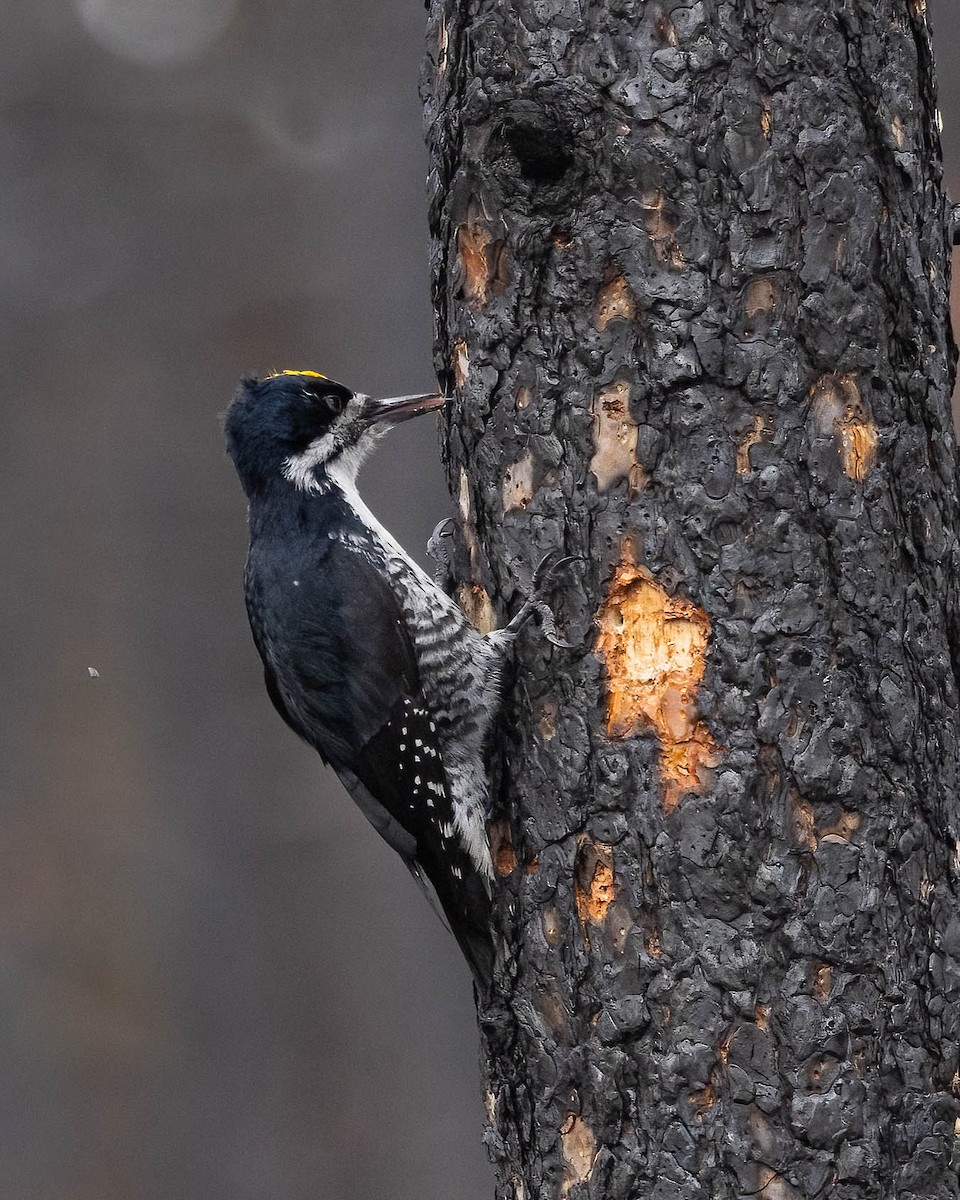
(364, 656)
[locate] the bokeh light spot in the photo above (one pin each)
(156, 32)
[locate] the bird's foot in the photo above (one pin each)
(438, 547)
(543, 576)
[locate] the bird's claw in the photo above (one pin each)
(442, 529)
(544, 572)
(439, 550)
(548, 625)
(548, 566)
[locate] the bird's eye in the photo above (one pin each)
(334, 403)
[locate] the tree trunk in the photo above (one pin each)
(691, 268)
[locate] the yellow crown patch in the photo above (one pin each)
(308, 374)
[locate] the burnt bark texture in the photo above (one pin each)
(691, 269)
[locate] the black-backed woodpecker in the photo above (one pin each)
(365, 657)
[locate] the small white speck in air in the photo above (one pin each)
(403, 745)
(416, 780)
(296, 583)
(404, 731)
(457, 872)
(429, 802)
(93, 672)
(433, 728)
(417, 742)
(416, 758)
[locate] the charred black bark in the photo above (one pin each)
(691, 266)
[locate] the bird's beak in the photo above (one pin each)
(400, 408)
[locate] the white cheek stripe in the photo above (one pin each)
(299, 468)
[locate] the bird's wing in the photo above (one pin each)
(345, 678)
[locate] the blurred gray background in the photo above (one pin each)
(215, 981)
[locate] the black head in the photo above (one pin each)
(296, 425)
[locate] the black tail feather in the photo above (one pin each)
(464, 910)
